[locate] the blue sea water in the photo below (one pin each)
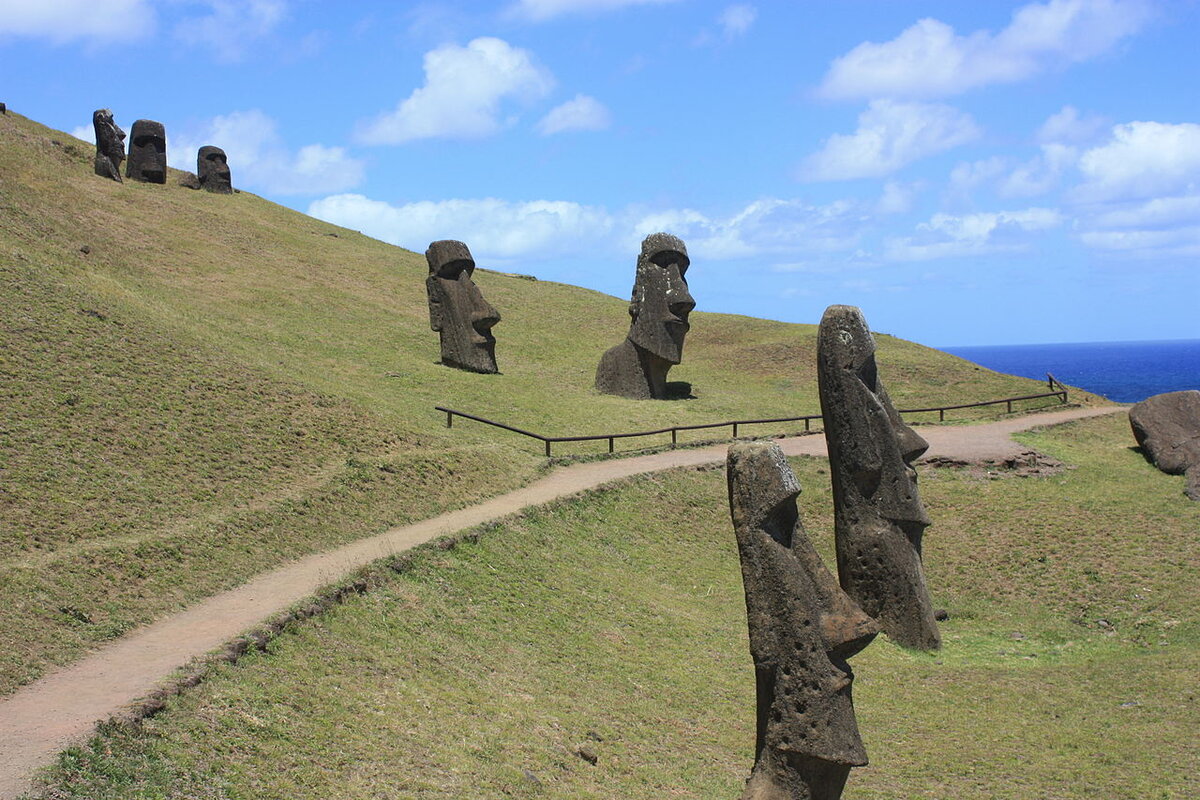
(1125, 372)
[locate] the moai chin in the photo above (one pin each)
(212, 170)
(878, 516)
(803, 628)
(457, 310)
(110, 145)
(147, 152)
(637, 368)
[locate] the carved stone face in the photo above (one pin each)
(147, 152)
(457, 310)
(212, 170)
(879, 516)
(110, 145)
(661, 301)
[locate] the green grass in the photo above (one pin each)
(620, 617)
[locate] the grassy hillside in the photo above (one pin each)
(197, 387)
(1069, 668)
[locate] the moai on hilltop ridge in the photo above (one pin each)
(457, 310)
(110, 145)
(147, 152)
(803, 628)
(637, 368)
(212, 170)
(878, 516)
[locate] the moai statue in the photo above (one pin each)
(110, 145)
(878, 515)
(457, 309)
(1167, 428)
(803, 628)
(147, 152)
(212, 169)
(637, 368)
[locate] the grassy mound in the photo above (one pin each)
(198, 387)
(617, 621)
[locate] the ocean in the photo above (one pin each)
(1125, 372)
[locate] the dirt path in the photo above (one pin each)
(41, 719)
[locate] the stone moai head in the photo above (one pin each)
(212, 170)
(147, 152)
(110, 145)
(661, 302)
(878, 515)
(803, 628)
(457, 310)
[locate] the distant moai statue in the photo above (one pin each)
(110, 145)
(803, 628)
(637, 368)
(212, 170)
(457, 310)
(878, 515)
(147, 152)
(3, 108)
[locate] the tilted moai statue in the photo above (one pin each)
(147, 152)
(212, 170)
(110, 145)
(637, 368)
(878, 515)
(803, 628)
(457, 310)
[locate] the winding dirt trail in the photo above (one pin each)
(43, 718)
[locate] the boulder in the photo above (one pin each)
(1167, 428)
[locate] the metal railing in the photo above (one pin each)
(1060, 393)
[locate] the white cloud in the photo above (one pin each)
(85, 132)
(1142, 159)
(260, 159)
(231, 26)
(1040, 174)
(1067, 127)
(890, 135)
(582, 113)
(494, 229)
(62, 21)
(1164, 227)
(463, 90)
(930, 60)
(1146, 244)
(897, 198)
(947, 235)
(542, 10)
(736, 20)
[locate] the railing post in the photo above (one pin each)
(735, 430)
(610, 444)
(1009, 404)
(941, 415)
(449, 419)
(673, 440)
(547, 448)
(806, 424)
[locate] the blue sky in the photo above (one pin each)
(966, 172)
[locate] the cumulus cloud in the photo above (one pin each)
(929, 59)
(463, 91)
(897, 198)
(260, 159)
(542, 10)
(736, 20)
(62, 21)
(1067, 126)
(231, 26)
(582, 113)
(1141, 159)
(948, 235)
(890, 135)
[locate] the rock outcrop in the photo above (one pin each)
(1167, 428)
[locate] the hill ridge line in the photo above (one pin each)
(39, 720)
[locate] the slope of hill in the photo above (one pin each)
(198, 386)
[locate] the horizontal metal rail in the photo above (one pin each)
(674, 430)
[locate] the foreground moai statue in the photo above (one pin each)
(212, 170)
(878, 515)
(110, 145)
(803, 628)
(457, 310)
(637, 368)
(147, 152)
(1167, 428)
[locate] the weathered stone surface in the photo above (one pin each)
(3, 108)
(147, 152)
(878, 516)
(212, 168)
(188, 180)
(110, 145)
(457, 310)
(1167, 428)
(803, 627)
(637, 368)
